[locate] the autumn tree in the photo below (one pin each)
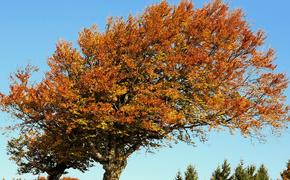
(286, 173)
(190, 173)
(170, 74)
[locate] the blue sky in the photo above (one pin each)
(28, 33)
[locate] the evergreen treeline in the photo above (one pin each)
(190, 174)
(222, 172)
(241, 172)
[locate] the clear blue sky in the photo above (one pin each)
(28, 33)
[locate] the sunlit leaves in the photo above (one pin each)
(162, 74)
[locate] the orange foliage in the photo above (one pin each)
(159, 75)
(171, 60)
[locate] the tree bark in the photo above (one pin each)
(55, 176)
(56, 172)
(113, 169)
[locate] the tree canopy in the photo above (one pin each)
(49, 152)
(171, 73)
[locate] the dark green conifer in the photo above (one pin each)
(251, 172)
(262, 173)
(223, 172)
(191, 173)
(240, 172)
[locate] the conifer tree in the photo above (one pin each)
(262, 173)
(191, 173)
(222, 173)
(216, 174)
(178, 176)
(226, 170)
(251, 172)
(240, 172)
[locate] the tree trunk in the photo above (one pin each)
(55, 176)
(56, 172)
(113, 169)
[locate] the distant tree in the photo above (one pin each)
(216, 175)
(286, 173)
(240, 172)
(222, 173)
(262, 173)
(191, 173)
(251, 172)
(169, 74)
(226, 170)
(178, 176)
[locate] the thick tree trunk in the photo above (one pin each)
(55, 176)
(113, 169)
(56, 172)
